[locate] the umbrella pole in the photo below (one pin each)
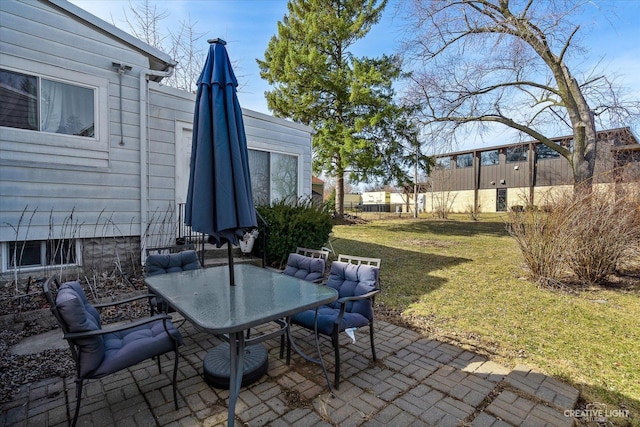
(232, 281)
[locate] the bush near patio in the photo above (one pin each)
(464, 282)
(300, 222)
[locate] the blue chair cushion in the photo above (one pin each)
(127, 348)
(349, 280)
(80, 316)
(304, 267)
(353, 280)
(327, 317)
(170, 263)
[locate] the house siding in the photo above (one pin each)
(53, 175)
(61, 186)
(168, 106)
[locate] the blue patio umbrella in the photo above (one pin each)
(219, 197)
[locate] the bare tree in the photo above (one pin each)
(479, 62)
(190, 60)
(145, 22)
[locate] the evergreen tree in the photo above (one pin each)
(317, 81)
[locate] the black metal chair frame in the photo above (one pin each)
(73, 337)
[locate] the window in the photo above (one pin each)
(274, 176)
(501, 200)
(544, 152)
(464, 160)
(443, 162)
(516, 154)
(35, 103)
(40, 253)
(488, 158)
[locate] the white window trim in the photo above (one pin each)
(6, 256)
(298, 157)
(100, 140)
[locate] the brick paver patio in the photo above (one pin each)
(415, 382)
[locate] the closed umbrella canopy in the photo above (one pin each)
(219, 197)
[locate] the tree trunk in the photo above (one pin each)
(585, 139)
(340, 193)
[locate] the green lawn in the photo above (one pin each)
(463, 281)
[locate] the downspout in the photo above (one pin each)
(144, 157)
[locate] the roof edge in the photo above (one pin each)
(626, 129)
(113, 30)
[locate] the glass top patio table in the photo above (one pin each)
(260, 295)
(206, 298)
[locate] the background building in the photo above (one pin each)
(495, 179)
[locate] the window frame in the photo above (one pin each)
(523, 153)
(468, 163)
(6, 256)
(549, 153)
(57, 144)
(482, 163)
(442, 164)
(270, 167)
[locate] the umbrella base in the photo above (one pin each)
(217, 365)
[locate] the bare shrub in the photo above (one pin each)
(443, 203)
(541, 236)
(473, 211)
(603, 231)
(588, 235)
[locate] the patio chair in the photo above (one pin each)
(173, 249)
(309, 267)
(357, 284)
(358, 260)
(305, 267)
(99, 351)
(162, 263)
(313, 253)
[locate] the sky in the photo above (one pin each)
(248, 25)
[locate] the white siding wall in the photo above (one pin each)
(267, 133)
(168, 106)
(45, 177)
(54, 174)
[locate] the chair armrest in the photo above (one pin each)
(343, 303)
(124, 301)
(118, 328)
(368, 295)
(275, 270)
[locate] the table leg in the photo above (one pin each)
(236, 361)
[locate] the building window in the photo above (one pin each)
(488, 158)
(41, 253)
(544, 152)
(274, 176)
(501, 200)
(35, 103)
(464, 160)
(443, 162)
(516, 154)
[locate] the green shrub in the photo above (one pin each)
(291, 224)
